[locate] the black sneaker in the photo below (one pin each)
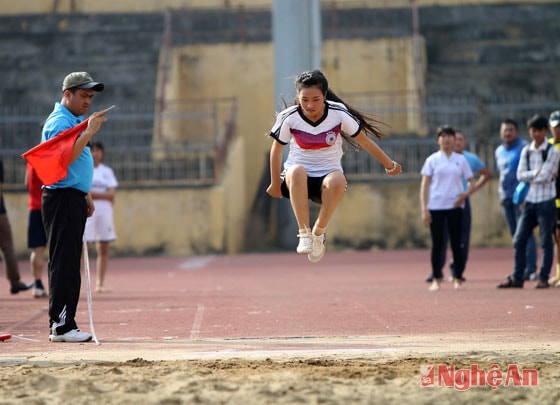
(510, 284)
(542, 284)
(21, 287)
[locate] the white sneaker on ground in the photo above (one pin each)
(435, 285)
(39, 293)
(74, 335)
(305, 245)
(319, 248)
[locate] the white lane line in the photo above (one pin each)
(195, 330)
(195, 263)
(25, 338)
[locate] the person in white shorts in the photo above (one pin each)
(315, 128)
(100, 227)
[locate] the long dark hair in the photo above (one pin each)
(316, 78)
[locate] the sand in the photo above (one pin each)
(270, 329)
(314, 374)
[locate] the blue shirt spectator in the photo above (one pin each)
(80, 173)
(507, 159)
(474, 162)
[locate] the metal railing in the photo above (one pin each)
(138, 159)
(478, 118)
(411, 154)
(137, 156)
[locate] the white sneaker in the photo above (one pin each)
(39, 293)
(319, 247)
(305, 245)
(74, 335)
(435, 285)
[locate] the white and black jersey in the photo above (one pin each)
(317, 146)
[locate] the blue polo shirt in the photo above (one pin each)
(474, 162)
(507, 161)
(80, 173)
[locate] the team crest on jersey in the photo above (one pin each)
(330, 137)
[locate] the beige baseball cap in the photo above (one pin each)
(81, 80)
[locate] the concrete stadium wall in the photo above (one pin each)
(374, 215)
(156, 221)
(9, 7)
(217, 218)
(247, 71)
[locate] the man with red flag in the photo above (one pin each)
(67, 203)
(50, 159)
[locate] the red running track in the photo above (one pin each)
(262, 297)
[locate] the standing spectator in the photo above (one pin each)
(507, 160)
(315, 128)
(538, 166)
(36, 238)
(100, 227)
(67, 204)
(7, 245)
(482, 174)
(442, 198)
(554, 122)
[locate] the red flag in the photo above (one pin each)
(51, 158)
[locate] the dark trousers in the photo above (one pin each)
(465, 240)
(452, 222)
(64, 218)
(8, 252)
(512, 214)
(543, 215)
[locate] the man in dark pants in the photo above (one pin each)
(539, 169)
(67, 204)
(7, 246)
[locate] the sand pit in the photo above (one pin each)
(360, 328)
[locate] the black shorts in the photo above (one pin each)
(558, 217)
(35, 231)
(314, 189)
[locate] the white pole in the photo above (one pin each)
(88, 292)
